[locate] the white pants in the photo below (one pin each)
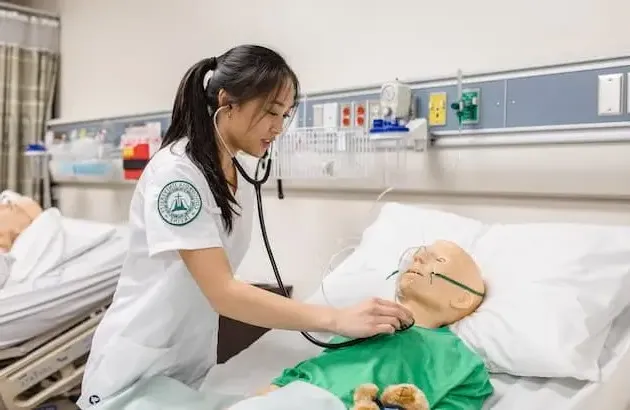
(295, 395)
(163, 393)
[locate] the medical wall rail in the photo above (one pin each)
(335, 153)
(519, 104)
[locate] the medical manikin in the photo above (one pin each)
(440, 284)
(17, 212)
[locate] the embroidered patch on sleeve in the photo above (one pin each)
(179, 203)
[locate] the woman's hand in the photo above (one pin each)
(371, 317)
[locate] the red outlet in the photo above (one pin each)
(359, 115)
(346, 116)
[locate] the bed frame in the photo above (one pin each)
(44, 372)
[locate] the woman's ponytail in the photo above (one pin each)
(192, 118)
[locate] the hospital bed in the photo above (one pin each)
(62, 276)
(256, 366)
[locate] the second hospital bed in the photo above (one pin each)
(60, 279)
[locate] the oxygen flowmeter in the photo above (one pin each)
(398, 128)
(467, 105)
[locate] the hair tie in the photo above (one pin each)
(212, 63)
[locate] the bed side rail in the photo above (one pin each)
(48, 371)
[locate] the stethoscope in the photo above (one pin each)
(264, 163)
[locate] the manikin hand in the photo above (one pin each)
(372, 317)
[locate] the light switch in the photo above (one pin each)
(610, 90)
(331, 115)
(318, 115)
(374, 110)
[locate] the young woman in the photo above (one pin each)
(190, 221)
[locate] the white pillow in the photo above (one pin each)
(399, 227)
(553, 289)
(553, 292)
(6, 262)
(38, 248)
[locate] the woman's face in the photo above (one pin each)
(252, 127)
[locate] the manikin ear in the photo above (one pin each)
(462, 301)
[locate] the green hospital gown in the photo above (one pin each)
(436, 360)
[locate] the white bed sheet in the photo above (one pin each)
(254, 367)
(87, 277)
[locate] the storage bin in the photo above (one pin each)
(86, 169)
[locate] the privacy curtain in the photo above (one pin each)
(29, 67)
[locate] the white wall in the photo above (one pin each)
(127, 56)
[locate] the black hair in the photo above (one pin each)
(245, 72)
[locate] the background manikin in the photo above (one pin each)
(440, 284)
(17, 212)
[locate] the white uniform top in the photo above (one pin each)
(160, 321)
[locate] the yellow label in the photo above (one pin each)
(437, 109)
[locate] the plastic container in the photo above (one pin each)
(90, 169)
(85, 160)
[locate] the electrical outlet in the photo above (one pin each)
(360, 114)
(437, 109)
(346, 115)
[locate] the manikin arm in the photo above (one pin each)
(266, 390)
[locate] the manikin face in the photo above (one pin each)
(252, 127)
(442, 277)
(16, 214)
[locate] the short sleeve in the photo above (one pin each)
(179, 210)
(471, 394)
(290, 375)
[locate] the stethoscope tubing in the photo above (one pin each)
(265, 162)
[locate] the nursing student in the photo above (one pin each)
(190, 219)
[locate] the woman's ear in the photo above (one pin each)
(223, 98)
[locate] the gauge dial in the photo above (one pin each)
(388, 93)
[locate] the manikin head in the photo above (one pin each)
(441, 284)
(253, 93)
(16, 214)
